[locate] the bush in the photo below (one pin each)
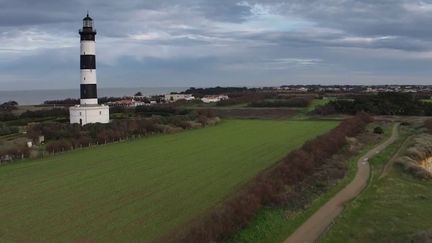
(17, 152)
(58, 146)
(9, 106)
(378, 130)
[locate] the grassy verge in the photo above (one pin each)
(276, 224)
(391, 209)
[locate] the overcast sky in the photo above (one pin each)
(143, 43)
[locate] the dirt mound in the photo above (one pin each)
(417, 160)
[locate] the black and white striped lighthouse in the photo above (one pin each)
(88, 63)
(89, 111)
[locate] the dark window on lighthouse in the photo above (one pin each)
(88, 62)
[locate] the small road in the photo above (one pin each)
(311, 230)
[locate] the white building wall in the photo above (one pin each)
(89, 114)
(177, 97)
(88, 101)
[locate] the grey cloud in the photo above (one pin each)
(204, 41)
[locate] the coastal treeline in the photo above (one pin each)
(405, 104)
(201, 92)
(72, 102)
(272, 187)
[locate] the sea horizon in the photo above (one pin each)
(38, 96)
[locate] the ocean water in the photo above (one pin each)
(36, 97)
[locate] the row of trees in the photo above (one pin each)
(291, 102)
(147, 111)
(381, 104)
(72, 102)
(201, 92)
(42, 113)
(269, 188)
(14, 153)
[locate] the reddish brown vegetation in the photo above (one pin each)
(268, 187)
(19, 152)
(58, 146)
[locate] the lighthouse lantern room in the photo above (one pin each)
(89, 110)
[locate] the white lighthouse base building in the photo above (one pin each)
(85, 114)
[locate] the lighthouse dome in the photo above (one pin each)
(87, 21)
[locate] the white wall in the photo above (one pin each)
(88, 101)
(92, 114)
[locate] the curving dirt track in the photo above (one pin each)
(311, 230)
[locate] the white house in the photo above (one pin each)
(177, 97)
(127, 103)
(214, 98)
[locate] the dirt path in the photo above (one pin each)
(322, 219)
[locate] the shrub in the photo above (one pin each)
(58, 146)
(17, 152)
(378, 130)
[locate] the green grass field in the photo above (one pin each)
(141, 189)
(391, 209)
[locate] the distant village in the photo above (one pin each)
(357, 88)
(141, 100)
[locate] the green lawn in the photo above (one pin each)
(141, 189)
(391, 209)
